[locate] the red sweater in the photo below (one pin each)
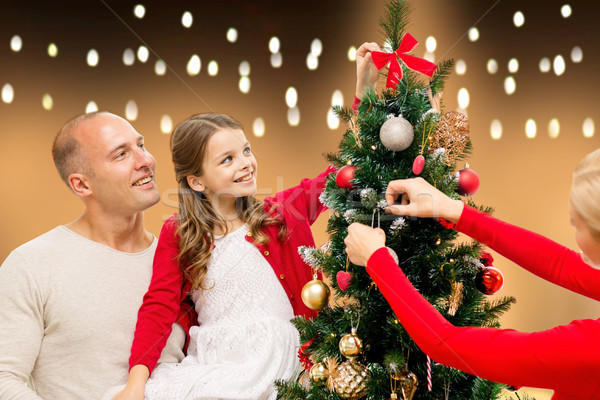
(565, 359)
(299, 208)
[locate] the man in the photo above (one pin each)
(69, 298)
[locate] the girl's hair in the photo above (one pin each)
(197, 217)
(585, 191)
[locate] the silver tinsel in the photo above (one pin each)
(439, 155)
(397, 225)
(308, 255)
(368, 197)
(352, 215)
(324, 199)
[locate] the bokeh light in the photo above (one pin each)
(213, 68)
(16, 43)
(530, 128)
(139, 11)
(473, 34)
(232, 35)
(193, 66)
(93, 58)
(47, 102)
(187, 19)
(166, 124)
(8, 93)
(258, 127)
(492, 66)
(496, 129)
(291, 97)
(519, 19)
(131, 110)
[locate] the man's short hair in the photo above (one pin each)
(66, 150)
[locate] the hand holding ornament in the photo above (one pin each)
(418, 198)
(362, 241)
(367, 73)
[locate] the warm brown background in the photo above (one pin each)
(526, 180)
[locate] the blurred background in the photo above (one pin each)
(525, 76)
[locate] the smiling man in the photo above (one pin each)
(69, 298)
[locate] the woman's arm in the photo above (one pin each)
(539, 255)
(538, 359)
(536, 253)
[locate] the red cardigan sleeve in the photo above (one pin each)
(539, 359)
(302, 202)
(162, 302)
(539, 255)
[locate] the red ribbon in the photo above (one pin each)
(407, 44)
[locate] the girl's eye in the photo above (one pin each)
(247, 150)
(227, 159)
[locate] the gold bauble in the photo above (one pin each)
(319, 373)
(408, 383)
(315, 294)
(350, 381)
(351, 345)
(452, 134)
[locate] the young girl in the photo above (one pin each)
(565, 358)
(238, 259)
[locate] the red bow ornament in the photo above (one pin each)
(407, 44)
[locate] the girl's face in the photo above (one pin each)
(588, 244)
(229, 167)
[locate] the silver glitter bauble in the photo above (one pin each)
(396, 134)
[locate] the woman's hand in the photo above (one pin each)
(366, 72)
(362, 241)
(420, 199)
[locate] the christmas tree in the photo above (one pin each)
(357, 348)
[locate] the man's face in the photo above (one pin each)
(122, 173)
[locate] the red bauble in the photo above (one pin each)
(344, 279)
(344, 176)
(489, 280)
(418, 164)
(468, 182)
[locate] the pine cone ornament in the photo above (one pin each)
(350, 380)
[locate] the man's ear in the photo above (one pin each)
(195, 183)
(80, 185)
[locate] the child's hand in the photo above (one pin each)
(130, 393)
(366, 72)
(138, 375)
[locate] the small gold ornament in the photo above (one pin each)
(408, 383)
(319, 373)
(350, 380)
(393, 395)
(452, 134)
(315, 294)
(351, 345)
(456, 297)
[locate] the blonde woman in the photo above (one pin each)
(565, 358)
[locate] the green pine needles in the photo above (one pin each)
(429, 254)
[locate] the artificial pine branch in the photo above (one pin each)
(438, 80)
(344, 114)
(394, 21)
